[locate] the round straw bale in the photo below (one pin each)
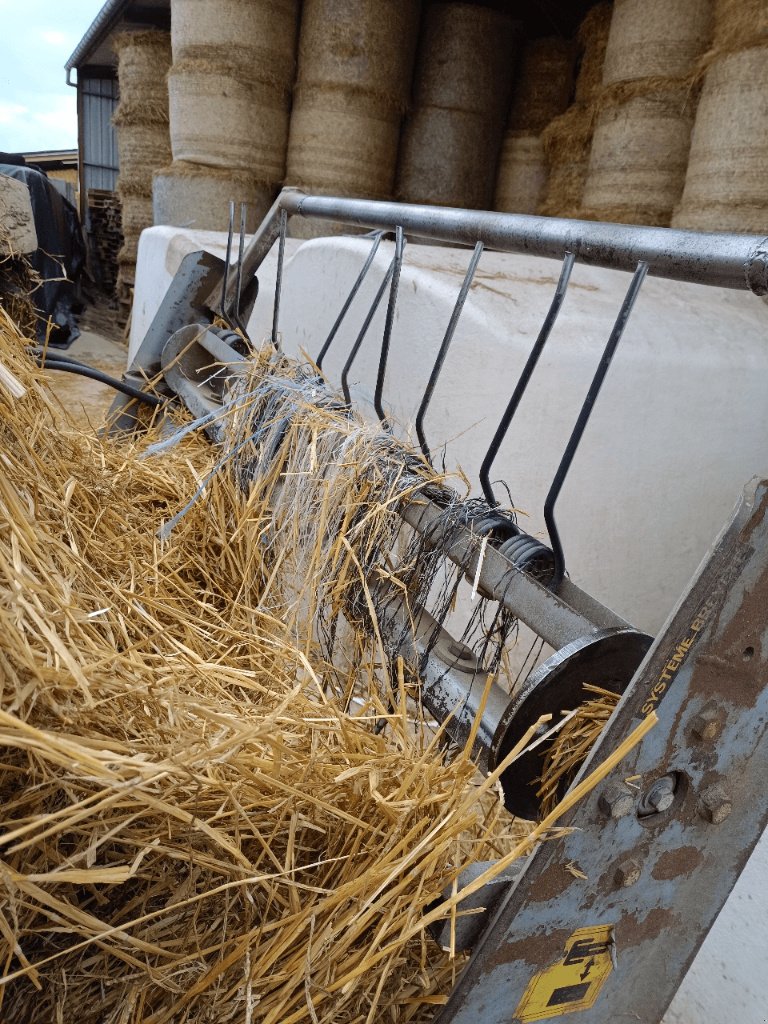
(143, 59)
(656, 38)
(368, 45)
(725, 185)
(448, 158)
(136, 213)
(638, 158)
(126, 275)
(258, 34)
(219, 118)
(344, 142)
(128, 253)
(522, 174)
(739, 24)
(464, 59)
(187, 195)
(133, 112)
(355, 64)
(141, 150)
(452, 137)
(543, 85)
(567, 142)
(592, 40)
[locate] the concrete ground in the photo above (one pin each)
(100, 345)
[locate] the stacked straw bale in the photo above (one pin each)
(643, 128)
(200, 822)
(453, 134)
(143, 142)
(542, 92)
(355, 68)
(229, 92)
(190, 195)
(568, 138)
(725, 184)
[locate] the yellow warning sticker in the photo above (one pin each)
(575, 981)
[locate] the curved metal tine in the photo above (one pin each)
(377, 237)
(445, 345)
(239, 279)
(397, 263)
(225, 279)
(279, 278)
(583, 418)
(538, 347)
(364, 330)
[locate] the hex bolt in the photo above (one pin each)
(627, 873)
(715, 803)
(616, 801)
(659, 797)
(706, 725)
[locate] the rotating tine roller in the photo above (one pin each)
(606, 940)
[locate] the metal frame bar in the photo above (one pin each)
(721, 259)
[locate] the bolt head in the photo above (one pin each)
(663, 801)
(616, 801)
(715, 803)
(706, 725)
(659, 797)
(627, 873)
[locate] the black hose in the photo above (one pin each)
(69, 365)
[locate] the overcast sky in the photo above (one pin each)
(37, 107)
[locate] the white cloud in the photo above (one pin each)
(59, 116)
(11, 113)
(50, 124)
(54, 38)
(37, 108)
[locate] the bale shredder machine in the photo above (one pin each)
(657, 858)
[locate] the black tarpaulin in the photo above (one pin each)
(59, 259)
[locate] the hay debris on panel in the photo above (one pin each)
(571, 744)
(200, 822)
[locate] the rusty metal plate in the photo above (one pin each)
(658, 875)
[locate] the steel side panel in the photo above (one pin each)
(687, 866)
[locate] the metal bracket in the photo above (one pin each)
(657, 874)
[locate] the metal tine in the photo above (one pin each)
(397, 264)
(583, 418)
(377, 237)
(279, 278)
(364, 330)
(546, 329)
(240, 252)
(443, 351)
(225, 279)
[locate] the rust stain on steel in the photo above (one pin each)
(675, 863)
(552, 883)
(657, 922)
(537, 950)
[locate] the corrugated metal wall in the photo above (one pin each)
(99, 146)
